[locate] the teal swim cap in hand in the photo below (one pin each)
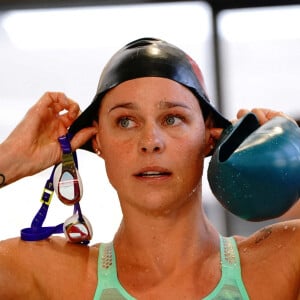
(255, 170)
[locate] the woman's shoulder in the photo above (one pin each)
(272, 254)
(53, 244)
(275, 238)
(287, 231)
(41, 265)
(56, 249)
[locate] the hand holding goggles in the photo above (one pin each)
(66, 182)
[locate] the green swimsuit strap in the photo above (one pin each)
(231, 284)
(109, 286)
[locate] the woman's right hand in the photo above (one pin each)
(33, 146)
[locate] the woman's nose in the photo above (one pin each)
(151, 140)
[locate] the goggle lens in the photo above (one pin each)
(68, 187)
(77, 230)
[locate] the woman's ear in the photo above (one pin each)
(212, 135)
(209, 142)
(96, 140)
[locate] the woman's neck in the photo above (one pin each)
(185, 232)
(154, 253)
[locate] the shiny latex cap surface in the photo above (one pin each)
(148, 57)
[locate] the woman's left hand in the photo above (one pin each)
(263, 114)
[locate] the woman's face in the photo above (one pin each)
(152, 136)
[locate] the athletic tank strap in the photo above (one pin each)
(109, 286)
(231, 284)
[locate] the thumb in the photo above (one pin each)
(82, 136)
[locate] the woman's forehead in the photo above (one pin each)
(160, 91)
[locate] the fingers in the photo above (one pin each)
(57, 102)
(82, 137)
(68, 118)
(269, 114)
(242, 112)
(263, 114)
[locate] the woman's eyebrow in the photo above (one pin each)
(162, 105)
(171, 104)
(128, 105)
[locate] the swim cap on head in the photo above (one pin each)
(148, 57)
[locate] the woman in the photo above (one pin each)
(154, 125)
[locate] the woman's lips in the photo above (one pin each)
(154, 172)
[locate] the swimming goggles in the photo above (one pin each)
(65, 181)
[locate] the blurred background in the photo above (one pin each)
(249, 55)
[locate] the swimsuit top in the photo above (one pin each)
(230, 286)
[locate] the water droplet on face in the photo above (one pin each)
(286, 227)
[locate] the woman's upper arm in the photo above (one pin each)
(14, 278)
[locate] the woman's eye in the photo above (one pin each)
(125, 122)
(172, 120)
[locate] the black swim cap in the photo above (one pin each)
(148, 57)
